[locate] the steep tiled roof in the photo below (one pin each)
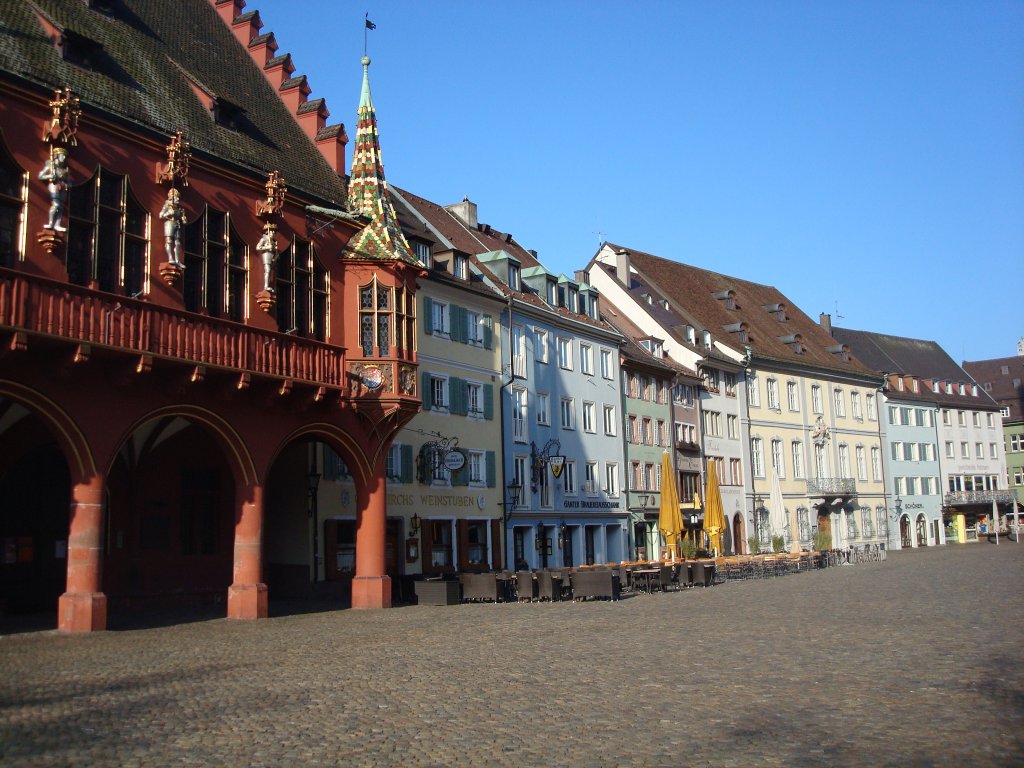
(150, 51)
(485, 239)
(705, 295)
(632, 350)
(990, 375)
(918, 358)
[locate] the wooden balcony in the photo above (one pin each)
(42, 309)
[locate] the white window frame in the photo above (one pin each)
(567, 413)
(441, 317)
(611, 479)
(839, 399)
(564, 345)
(586, 358)
(757, 456)
(778, 459)
(520, 413)
(474, 399)
(476, 462)
(817, 406)
(773, 394)
(862, 463)
(439, 386)
(607, 366)
(591, 482)
(792, 396)
(589, 416)
(540, 345)
(569, 478)
(543, 409)
(797, 451)
(869, 405)
(753, 390)
(610, 421)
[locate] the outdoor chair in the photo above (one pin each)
(665, 578)
(549, 587)
(526, 586)
(479, 586)
(597, 583)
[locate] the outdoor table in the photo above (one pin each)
(644, 578)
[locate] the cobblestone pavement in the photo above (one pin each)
(913, 661)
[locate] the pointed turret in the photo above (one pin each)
(368, 191)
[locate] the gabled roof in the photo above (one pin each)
(486, 245)
(633, 351)
(997, 377)
(918, 358)
(722, 304)
(153, 57)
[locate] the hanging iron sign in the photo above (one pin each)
(454, 460)
(557, 464)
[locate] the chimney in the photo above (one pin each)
(622, 266)
(825, 321)
(465, 211)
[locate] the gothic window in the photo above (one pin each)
(107, 235)
(386, 319)
(215, 258)
(13, 186)
(301, 287)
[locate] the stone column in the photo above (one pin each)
(247, 595)
(371, 587)
(83, 607)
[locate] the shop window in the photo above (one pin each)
(301, 285)
(13, 190)
(473, 545)
(437, 546)
(215, 258)
(107, 235)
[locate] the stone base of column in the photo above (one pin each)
(82, 612)
(247, 601)
(371, 592)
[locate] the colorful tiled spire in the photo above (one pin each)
(382, 238)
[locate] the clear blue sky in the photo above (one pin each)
(865, 156)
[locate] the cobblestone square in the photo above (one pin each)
(911, 661)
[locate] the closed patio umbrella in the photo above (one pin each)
(776, 507)
(670, 520)
(714, 516)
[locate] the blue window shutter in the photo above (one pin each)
(426, 394)
(428, 315)
(457, 396)
(405, 475)
(458, 323)
(488, 401)
(488, 331)
(461, 476)
(491, 471)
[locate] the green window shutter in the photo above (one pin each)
(488, 331)
(428, 315)
(491, 470)
(457, 396)
(425, 392)
(461, 476)
(488, 401)
(405, 475)
(458, 323)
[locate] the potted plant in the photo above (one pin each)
(778, 544)
(753, 545)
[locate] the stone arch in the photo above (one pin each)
(73, 444)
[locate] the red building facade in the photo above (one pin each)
(146, 404)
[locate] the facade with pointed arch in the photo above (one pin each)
(163, 394)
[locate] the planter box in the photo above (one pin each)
(438, 592)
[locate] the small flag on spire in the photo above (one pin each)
(370, 24)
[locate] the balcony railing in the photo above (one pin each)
(978, 497)
(831, 486)
(51, 309)
(686, 445)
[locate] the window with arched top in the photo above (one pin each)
(13, 194)
(301, 286)
(215, 271)
(108, 235)
(386, 319)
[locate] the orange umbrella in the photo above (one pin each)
(670, 519)
(714, 515)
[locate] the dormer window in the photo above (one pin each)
(664, 303)
(707, 339)
(691, 335)
(962, 389)
(647, 297)
(899, 383)
(740, 329)
(595, 309)
(421, 250)
(460, 267)
(225, 113)
(794, 341)
(949, 388)
(841, 350)
(974, 390)
(551, 292)
(80, 50)
(778, 311)
(574, 300)
(935, 387)
(513, 277)
(913, 384)
(729, 297)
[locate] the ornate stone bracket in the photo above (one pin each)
(266, 300)
(50, 240)
(171, 273)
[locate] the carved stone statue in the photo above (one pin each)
(58, 180)
(174, 219)
(820, 433)
(268, 253)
